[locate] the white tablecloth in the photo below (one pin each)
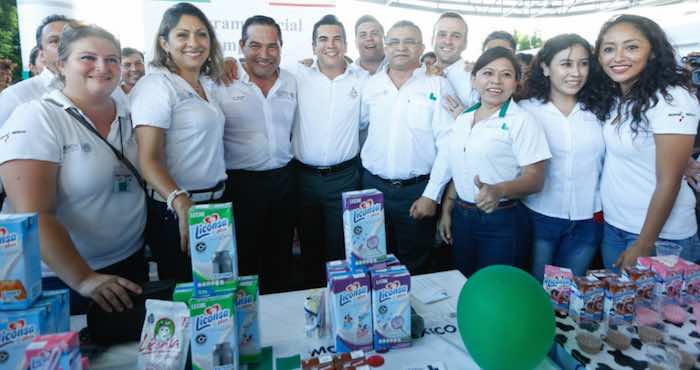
(282, 327)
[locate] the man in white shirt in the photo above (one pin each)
(449, 42)
(48, 34)
(369, 40)
(407, 125)
(326, 146)
(260, 108)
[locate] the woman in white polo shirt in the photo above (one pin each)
(648, 135)
(560, 98)
(180, 130)
(495, 155)
(91, 208)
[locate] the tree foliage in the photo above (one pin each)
(526, 42)
(9, 34)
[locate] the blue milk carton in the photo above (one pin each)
(62, 308)
(351, 312)
(248, 314)
(391, 308)
(20, 270)
(213, 248)
(363, 227)
(17, 329)
(214, 337)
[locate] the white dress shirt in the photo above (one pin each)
(406, 126)
(572, 176)
(629, 172)
(24, 91)
(496, 149)
(104, 221)
(358, 69)
(461, 82)
(258, 127)
(326, 130)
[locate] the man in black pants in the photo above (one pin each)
(407, 125)
(260, 108)
(326, 146)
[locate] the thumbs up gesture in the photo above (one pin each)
(488, 197)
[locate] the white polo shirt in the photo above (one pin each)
(406, 126)
(24, 91)
(572, 176)
(326, 130)
(362, 72)
(193, 127)
(496, 149)
(257, 135)
(104, 221)
(461, 82)
(629, 173)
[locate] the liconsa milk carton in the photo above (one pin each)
(363, 226)
(557, 283)
(17, 329)
(20, 270)
(54, 351)
(351, 311)
(61, 298)
(587, 299)
(213, 248)
(248, 314)
(619, 306)
(645, 282)
(391, 308)
(214, 336)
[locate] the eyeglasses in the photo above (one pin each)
(392, 43)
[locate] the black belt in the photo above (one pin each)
(503, 204)
(326, 170)
(199, 195)
(404, 182)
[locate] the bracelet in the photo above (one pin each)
(171, 197)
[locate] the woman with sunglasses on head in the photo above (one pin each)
(180, 133)
(651, 118)
(561, 98)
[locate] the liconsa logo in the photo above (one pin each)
(210, 316)
(211, 225)
(7, 239)
(351, 292)
(16, 331)
(392, 289)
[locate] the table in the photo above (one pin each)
(636, 357)
(282, 327)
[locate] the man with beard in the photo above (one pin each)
(260, 108)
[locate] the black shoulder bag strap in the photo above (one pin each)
(120, 156)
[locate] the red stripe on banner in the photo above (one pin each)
(305, 5)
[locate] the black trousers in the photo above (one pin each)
(163, 238)
(409, 239)
(264, 210)
(321, 218)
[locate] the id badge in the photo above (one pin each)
(124, 181)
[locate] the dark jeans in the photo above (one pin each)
(321, 218)
(264, 208)
(482, 239)
(163, 238)
(409, 239)
(133, 268)
(564, 243)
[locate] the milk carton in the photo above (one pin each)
(557, 283)
(669, 277)
(645, 282)
(20, 270)
(213, 248)
(363, 226)
(619, 306)
(391, 308)
(691, 279)
(248, 315)
(61, 298)
(351, 312)
(214, 339)
(54, 351)
(587, 299)
(17, 329)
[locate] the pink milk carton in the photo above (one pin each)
(54, 352)
(669, 276)
(557, 283)
(691, 282)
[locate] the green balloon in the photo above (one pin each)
(505, 319)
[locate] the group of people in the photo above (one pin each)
(514, 165)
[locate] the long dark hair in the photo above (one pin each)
(538, 86)
(660, 73)
(213, 66)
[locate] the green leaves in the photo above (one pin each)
(9, 34)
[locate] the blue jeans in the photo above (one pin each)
(563, 243)
(482, 239)
(616, 241)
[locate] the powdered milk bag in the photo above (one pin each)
(213, 248)
(17, 329)
(248, 313)
(391, 308)
(351, 312)
(20, 270)
(214, 336)
(363, 226)
(165, 336)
